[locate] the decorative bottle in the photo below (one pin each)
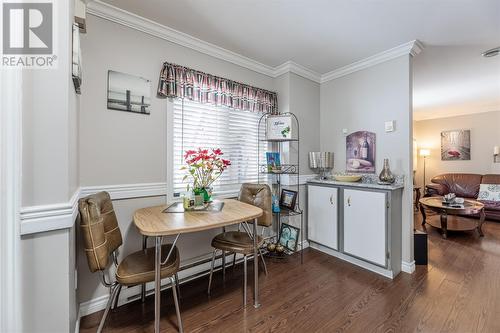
(364, 148)
(386, 175)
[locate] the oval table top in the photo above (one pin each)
(151, 221)
(469, 207)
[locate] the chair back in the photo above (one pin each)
(100, 231)
(258, 195)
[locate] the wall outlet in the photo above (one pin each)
(389, 126)
(344, 131)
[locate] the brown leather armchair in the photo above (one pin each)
(242, 241)
(102, 239)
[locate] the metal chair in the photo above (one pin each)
(241, 242)
(102, 238)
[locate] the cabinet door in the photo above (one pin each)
(322, 215)
(365, 225)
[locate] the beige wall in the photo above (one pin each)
(485, 134)
(364, 100)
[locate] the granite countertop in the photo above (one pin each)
(365, 182)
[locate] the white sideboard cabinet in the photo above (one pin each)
(322, 208)
(359, 223)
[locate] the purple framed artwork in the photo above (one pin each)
(360, 152)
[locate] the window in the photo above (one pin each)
(234, 131)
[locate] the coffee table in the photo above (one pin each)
(470, 207)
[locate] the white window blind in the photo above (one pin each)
(205, 126)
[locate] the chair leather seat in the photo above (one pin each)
(235, 241)
(139, 267)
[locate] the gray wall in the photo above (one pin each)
(132, 147)
(49, 299)
(301, 96)
(485, 134)
(364, 100)
(305, 104)
(50, 176)
(126, 148)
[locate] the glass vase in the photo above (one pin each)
(386, 175)
(205, 192)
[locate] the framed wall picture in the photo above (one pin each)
(128, 93)
(360, 152)
(288, 199)
(455, 145)
(289, 236)
(279, 127)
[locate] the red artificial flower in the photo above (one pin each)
(205, 167)
(189, 153)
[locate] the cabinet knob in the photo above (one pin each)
(349, 201)
(331, 199)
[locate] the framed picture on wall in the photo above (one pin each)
(360, 152)
(128, 93)
(455, 145)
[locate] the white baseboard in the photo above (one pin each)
(77, 322)
(130, 294)
(408, 267)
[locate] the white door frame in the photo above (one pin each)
(10, 199)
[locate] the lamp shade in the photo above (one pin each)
(424, 152)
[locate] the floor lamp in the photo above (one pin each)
(424, 153)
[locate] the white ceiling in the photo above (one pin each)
(455, 80)
(324, 35)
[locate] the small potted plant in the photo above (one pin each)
(204, 166)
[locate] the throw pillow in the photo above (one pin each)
(489, 192)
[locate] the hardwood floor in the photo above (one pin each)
(459, 291)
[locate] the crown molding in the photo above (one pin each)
(125, 18)
(298, 69)
(412, 48)
(139, 23)
(128, 19)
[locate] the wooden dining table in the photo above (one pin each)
(154, 222)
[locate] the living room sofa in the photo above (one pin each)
(465, 185)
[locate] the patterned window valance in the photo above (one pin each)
(183, 82)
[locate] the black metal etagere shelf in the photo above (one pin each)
(290, 170)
